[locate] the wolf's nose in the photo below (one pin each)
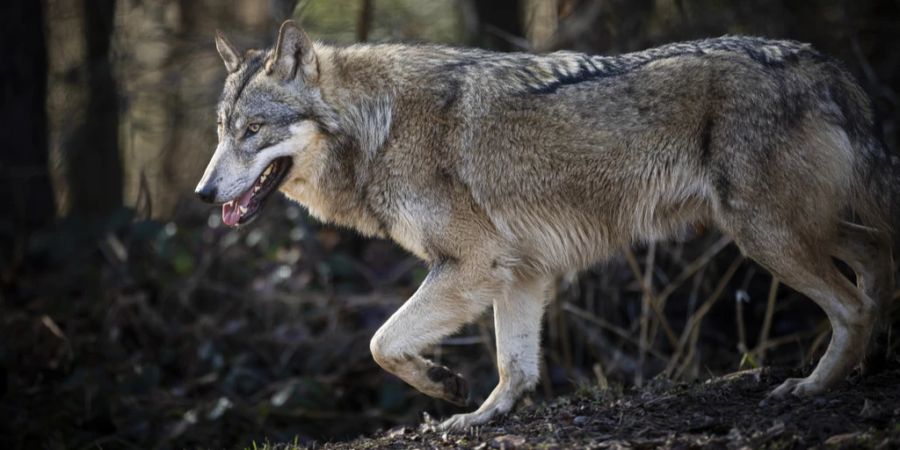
(206, 193)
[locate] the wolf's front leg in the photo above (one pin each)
(452, 295)
(517, 321)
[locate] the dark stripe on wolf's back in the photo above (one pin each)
(452, 93)
(597, 67)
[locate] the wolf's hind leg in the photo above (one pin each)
(517, 323)
(451, 296)
(868, 252)
(806, 268)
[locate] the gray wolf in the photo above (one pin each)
(503, 171)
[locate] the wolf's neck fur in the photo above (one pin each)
(358, 128)
(363, 104)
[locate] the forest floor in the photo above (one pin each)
(725, 412)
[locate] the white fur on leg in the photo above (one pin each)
(438, 308)
(851, 325)
(517, 320)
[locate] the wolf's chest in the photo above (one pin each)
(408, 229)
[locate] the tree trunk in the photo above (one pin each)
(24, 181)
(540, 23)
(82, 107)
(172, 77)
(499, 25)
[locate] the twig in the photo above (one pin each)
(365, 18)
(645, 281)
(740, 298)
(602, 382)
(794, 337)
(587, 316)
(694, 266)
(689, 271)
(512, 39)
(632, 262)
(760, 350)
(695, 319)
(739, 321)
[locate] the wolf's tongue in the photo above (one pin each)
(230, 214)
(231, 211)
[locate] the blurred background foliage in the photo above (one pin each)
(130, 317)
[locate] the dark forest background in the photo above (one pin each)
(130, 317)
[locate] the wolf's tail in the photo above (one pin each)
(875, 194)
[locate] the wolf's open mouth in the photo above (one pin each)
(246, 207)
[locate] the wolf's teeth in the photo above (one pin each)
(243, 209)
(267, 171)
(256, 189)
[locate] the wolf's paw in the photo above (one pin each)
(462, 422)
(455, 387)
(798, 387)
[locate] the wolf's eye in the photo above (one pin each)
(252, 129)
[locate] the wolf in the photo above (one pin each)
(504, 170)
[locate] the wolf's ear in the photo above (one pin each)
(293, 55)
(229, 54)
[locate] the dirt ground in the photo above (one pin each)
(727, 412)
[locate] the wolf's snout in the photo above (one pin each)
(206, 193)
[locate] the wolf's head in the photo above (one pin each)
(269, 113)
